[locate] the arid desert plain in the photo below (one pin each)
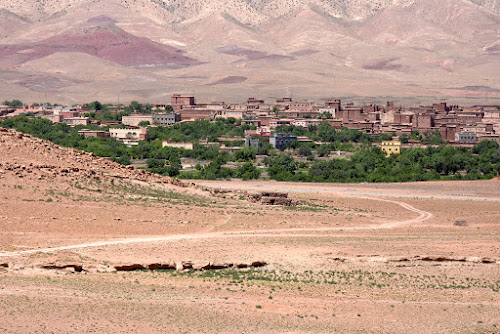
(87, 245)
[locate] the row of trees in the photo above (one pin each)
(103, 112)
(326, 133)
(371, 165)
(13, 103)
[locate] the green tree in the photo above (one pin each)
(96, 105)
(248, 172)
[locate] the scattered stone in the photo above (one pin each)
(54, 266)
(162, 266)
(487, 260)
(200, 266)
(130, 267)
(272, 198)
(434, 258)
(102, 269)
(186, 265)
(257, 264)
(215, 266)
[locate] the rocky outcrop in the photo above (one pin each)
(441, 259)
(56, 266)
(162, 266)
(66, 268)
(99, 269)
(130, 267)
(257, 264)
(424, 258)
(272, 198)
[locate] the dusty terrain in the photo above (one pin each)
(76, 51)
(375, 258)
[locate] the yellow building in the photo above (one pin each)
(390, 147)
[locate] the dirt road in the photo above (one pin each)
(289, 232)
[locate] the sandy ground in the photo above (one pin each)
(350, 258)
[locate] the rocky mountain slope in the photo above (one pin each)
(148, 49)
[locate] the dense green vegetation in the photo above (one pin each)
(200, 130)
(104, 112)
(13, 103)
(367, 164)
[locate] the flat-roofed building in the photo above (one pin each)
(135, 119)
(179, 102)
(74, 121)
(466, 137)
(166, 119)
(129, 134)
(53, 118)
(391, 147)
(186, 146)
(280, 140)
(93, 133)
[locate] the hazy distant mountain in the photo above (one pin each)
(148, 49)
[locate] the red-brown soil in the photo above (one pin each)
(376, 258)
(98, 37)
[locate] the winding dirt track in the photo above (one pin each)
(422, 216)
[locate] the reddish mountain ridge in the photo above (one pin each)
(102, 38)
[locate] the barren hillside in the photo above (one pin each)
(28, 158)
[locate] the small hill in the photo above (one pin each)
(29, 158)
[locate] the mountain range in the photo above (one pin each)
(75, 51)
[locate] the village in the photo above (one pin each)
(457, 125)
